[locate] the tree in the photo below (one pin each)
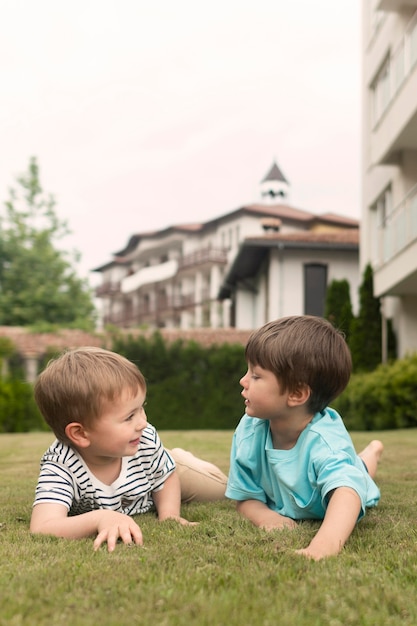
(366, 335)
(365, 341)
(338, 306)
(38, 282)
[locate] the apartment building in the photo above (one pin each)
(188, 275)
(389, 160)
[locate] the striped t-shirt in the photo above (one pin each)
(65, 479)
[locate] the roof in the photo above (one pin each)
(109, 264)
(274, 174)
(287, 213)
(119, 257)
(178, 228)
(339, 219)
(254, 250)
(281, 211)
(316, 238)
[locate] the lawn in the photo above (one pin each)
(221, 572)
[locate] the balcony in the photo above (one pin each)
(394, 102)
(395, 5)
(150, 274)
(396, 270)
(108, 289)
(156, 312)
(203, 256)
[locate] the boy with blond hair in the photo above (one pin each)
(108, 462)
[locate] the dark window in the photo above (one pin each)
(315, 286)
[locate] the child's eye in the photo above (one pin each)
(130, 417)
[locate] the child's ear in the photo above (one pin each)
(77, 434)
(300, 395)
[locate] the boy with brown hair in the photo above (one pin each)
(292, 457)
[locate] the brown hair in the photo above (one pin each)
(75, 386)
(303, 350)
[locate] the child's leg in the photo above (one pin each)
(200, 480)
(371, 456)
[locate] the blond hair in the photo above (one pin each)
(303, 350)
(76, 385)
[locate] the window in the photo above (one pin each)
(379, 236)
(412, 40)
(381, 91)
(145, 304)
(315, 287)
(375, 16)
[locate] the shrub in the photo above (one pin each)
(383, 399)
(189, 386)
(194, 387)
(18, 411)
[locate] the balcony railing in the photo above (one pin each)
(155, 312)
(399, 229)
(205, 255)
(397, 70)
(108, 289)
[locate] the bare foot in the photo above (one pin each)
(371, 456)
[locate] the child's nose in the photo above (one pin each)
(244, 380)
(142, 422)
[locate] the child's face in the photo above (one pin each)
(262, 394)
(117, 431)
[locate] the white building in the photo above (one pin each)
(258, 262)
(288, 272)
(389, 160)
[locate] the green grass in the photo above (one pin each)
(221, 572)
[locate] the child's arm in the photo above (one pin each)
(52, 519)
(168, 500)
(338, 523)
(262, 516)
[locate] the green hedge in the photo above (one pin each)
(196, 387)
(18, 411)
(383, 399)
(189, 386)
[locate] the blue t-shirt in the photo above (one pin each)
(296, 483)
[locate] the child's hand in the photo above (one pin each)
(311, 554)
(277, 522)
(113, 526)
(180, 520)
(339, 521)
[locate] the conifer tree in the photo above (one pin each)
(338, 306)
(365, 340)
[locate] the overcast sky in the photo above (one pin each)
(143, 114)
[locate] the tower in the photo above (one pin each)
(274, 187)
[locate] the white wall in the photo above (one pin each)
(280, 288)
(406, 327)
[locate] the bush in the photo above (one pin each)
(189, 386)
(383, 399)
(18, 411)
(192, 387)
